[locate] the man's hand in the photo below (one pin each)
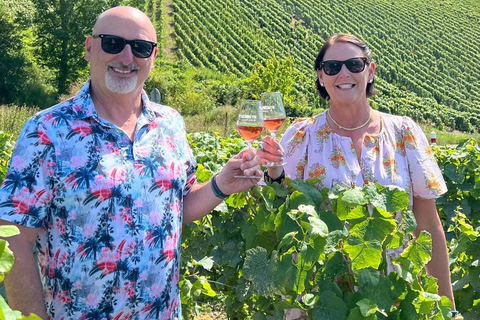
(246, 163)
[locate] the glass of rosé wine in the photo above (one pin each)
(250, 123)
(273, 116)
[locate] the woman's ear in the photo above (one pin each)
(320, 77)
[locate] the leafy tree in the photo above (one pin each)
(61, 28)
(22, 81)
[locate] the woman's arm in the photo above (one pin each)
(425, 212)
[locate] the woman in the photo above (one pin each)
(352, 144)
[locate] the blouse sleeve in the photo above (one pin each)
(294, 143)
(426, 176)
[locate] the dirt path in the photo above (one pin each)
(169, 31)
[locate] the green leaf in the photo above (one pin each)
(260, 270)
(419, 251)
(332, 221)
(310, 192)
(206, 263)
(287, 240)
(354, 197)
(329, 307)
(374, 196)
(309, 299)
(6, 313)
(283, 221)
(410, 221)
(268, 195)
(356, 314)
(315, 249)
(367, 308)
(317, 228)
(407, 307)
(237, 200)
(6, 257)
(357, 215)
(336, 266)
(363, 253)
(396, 199)
(375, 228)
(291, 275)
(452, 172)
(8, 231)
(378, 288)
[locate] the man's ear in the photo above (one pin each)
(372, 69)
(88, 48)
(155, 52)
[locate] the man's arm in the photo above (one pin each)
(201, 200)
(425, 212)
(22, 284)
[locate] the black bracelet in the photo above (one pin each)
(216, 190)
(269, 180)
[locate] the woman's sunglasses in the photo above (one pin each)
(115, 44)
(354, 65)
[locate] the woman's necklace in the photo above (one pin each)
(350, 129)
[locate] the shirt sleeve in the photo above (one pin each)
(25, 194)
(190, 161)
(426, 176)
(295, 145)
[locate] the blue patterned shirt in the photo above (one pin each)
(109, 209)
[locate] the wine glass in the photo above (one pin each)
(273, 117)
(250, 124)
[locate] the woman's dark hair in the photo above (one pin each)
(343, 37)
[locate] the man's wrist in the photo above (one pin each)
(216, 190)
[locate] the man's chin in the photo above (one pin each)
(121, 86)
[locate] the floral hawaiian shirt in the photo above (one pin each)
(109, 209)
(399, 155)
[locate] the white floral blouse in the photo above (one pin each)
(399, 155)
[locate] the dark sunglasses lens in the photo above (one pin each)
(112, 44)
(355, 65)
(142, 49)
(332, 67)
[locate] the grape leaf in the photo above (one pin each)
(329, 307)
(354, 197)
(419, 251)
(260, 270)
(363, 253)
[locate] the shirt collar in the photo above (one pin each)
(83, 105)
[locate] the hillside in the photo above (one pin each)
(427, 53)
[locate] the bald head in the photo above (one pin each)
(128, 22)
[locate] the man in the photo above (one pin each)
(102, 184)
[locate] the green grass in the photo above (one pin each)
(12, 118)
(449, 137)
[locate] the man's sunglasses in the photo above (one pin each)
(354, 65)
(115, 44)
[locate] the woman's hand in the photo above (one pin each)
(270, 150)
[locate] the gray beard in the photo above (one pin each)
(119, 85)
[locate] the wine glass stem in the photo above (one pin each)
(273, 134)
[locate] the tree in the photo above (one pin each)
(22, 81)
(61, 28)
